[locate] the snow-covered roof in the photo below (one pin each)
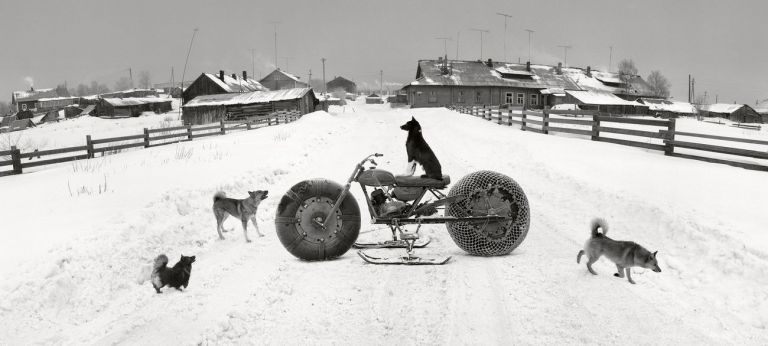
(593, 97)
(134, 101)
(247, 98)
(721, 107)
(762, 107)
(669, 106)
(236, 85)
(566, 107)
(34, 95)
(57, 98)
(608, 82)
(479, 73)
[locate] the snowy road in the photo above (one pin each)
(81, 287)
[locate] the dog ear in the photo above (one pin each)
(412, 118)
(654, 253)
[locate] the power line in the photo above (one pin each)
(184, 72)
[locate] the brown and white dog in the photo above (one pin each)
(243, 209)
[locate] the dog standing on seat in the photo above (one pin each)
(419, 152)
(176, 276)
(625, 254)
(243, 209)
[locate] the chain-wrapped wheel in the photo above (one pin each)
(302, 212)
(488, 194)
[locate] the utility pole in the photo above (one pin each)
(689, 88)
(381, 83)
(445, 44)
(458, 34)
(275, 23)
(309, 81)
(481, 40)
(172, 83)
(529, 43)
(253, 63)
(325, 87)
(183, 72)
(130, 75)
(565, 57)
(506, 16)
(610, 60)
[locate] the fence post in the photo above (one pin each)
(670, 137)
(146, 137)
(522, 128)
(223, 127)
(16, 158)
(595, 127)
(189, 132)
(89, 144)
(545, 120)
(248, 125)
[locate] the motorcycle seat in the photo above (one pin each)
(418, 181)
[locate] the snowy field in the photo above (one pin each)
(76, 237)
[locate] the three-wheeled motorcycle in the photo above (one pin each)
(486, 214)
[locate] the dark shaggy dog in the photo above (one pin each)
(419, 152)
(176, 276)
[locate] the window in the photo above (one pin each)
(534, 100)
(460, 97)
(520, 98)
(432, 97)
(509, 98)
(478, 97)
(23, 106)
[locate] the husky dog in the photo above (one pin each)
(419, 152)
(243, 209)
(625, 254)
(176, 276)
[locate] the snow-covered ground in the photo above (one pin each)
(76, 237)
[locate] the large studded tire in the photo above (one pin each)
(491, 193)
(311, 200)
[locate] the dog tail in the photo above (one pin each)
(599, 223)
(160, 262)
(219, 195)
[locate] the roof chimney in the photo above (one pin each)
(559, 69)
(440, 59)
(245, 75)
(589, 71)
(490, 63)
(234, 76)
(528, 66)
(221, 75)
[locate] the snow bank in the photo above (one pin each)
(72, 262)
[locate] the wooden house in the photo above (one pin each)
(29, 99)
(279, 79)
(442, 83)
(341, 83)
(630, 88)
(210, 84)
(212, 108)
(735, 112)
(762, 109)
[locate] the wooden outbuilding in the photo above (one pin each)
(212, 108)
(735, 112)
(341, 83)
(603, 102)
(279, 79)
(210, 84)
(131, 107)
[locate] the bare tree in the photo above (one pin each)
(4, 108)
(627, 71)
(145, 80)
(659, 84)
(124, 83)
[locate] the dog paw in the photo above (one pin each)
(616, 275)
(632, 282)
(221, 238)
(247, 240)
(261, 235)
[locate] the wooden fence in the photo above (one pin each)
(655, 134)
(150, 138)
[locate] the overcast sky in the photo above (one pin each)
(721, 43)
